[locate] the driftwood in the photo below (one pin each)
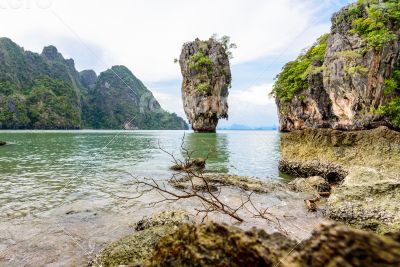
(208, 194)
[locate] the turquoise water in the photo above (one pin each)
(65, 195)
(40, 170)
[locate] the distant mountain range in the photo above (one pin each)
(45, 91)
(246, 127)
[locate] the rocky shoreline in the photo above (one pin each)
(363, 164)
(358, 169)
(171, 239)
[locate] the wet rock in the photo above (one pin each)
(311, 184)
(172, 217)
(215, 180)
(194, 183)
(215, 244)
(2, 143)
(333, 173)
(206, 80)
(196, 164)
(134, 249)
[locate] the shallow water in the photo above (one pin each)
(63, 193)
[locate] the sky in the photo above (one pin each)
(146, 36)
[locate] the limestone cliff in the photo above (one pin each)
(349, 79)
(206, 79)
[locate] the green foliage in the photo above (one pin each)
(377, 29)
(391, 111)
(200, 62)
(294, 75)
(356, 69)
(53, 104)
(7, 88)
(226, 43)
(202, 87)
(390, 86)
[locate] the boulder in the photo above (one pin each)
(311, 184)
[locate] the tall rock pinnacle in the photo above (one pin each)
(206, 80)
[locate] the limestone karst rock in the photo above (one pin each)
(344, 80)
(206, 79)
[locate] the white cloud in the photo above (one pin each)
(256, 95)
(252, 106)
(147, 35)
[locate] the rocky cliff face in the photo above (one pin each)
(206, 79)
(45, 91)
(119, 99)
(354, 79)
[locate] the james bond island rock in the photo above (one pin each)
(349, 79)
(206, 80)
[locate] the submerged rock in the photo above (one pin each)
(206, 80)
(196, 164)
(170, 217)
(214, 180)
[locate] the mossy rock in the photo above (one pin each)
(133, 249)
(213, 244)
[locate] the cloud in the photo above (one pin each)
(147, 35)
(256, 95)
(252, 106)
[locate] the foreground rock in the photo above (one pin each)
(213, 244)
(337, 245)
(134, 249)
(2, 143)
(364, 163)
(206, 79)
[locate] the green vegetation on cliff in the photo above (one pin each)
(45, 91)
(293, 78)
(378, 27)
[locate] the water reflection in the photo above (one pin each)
(213, 146)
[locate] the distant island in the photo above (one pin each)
(45, 91)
